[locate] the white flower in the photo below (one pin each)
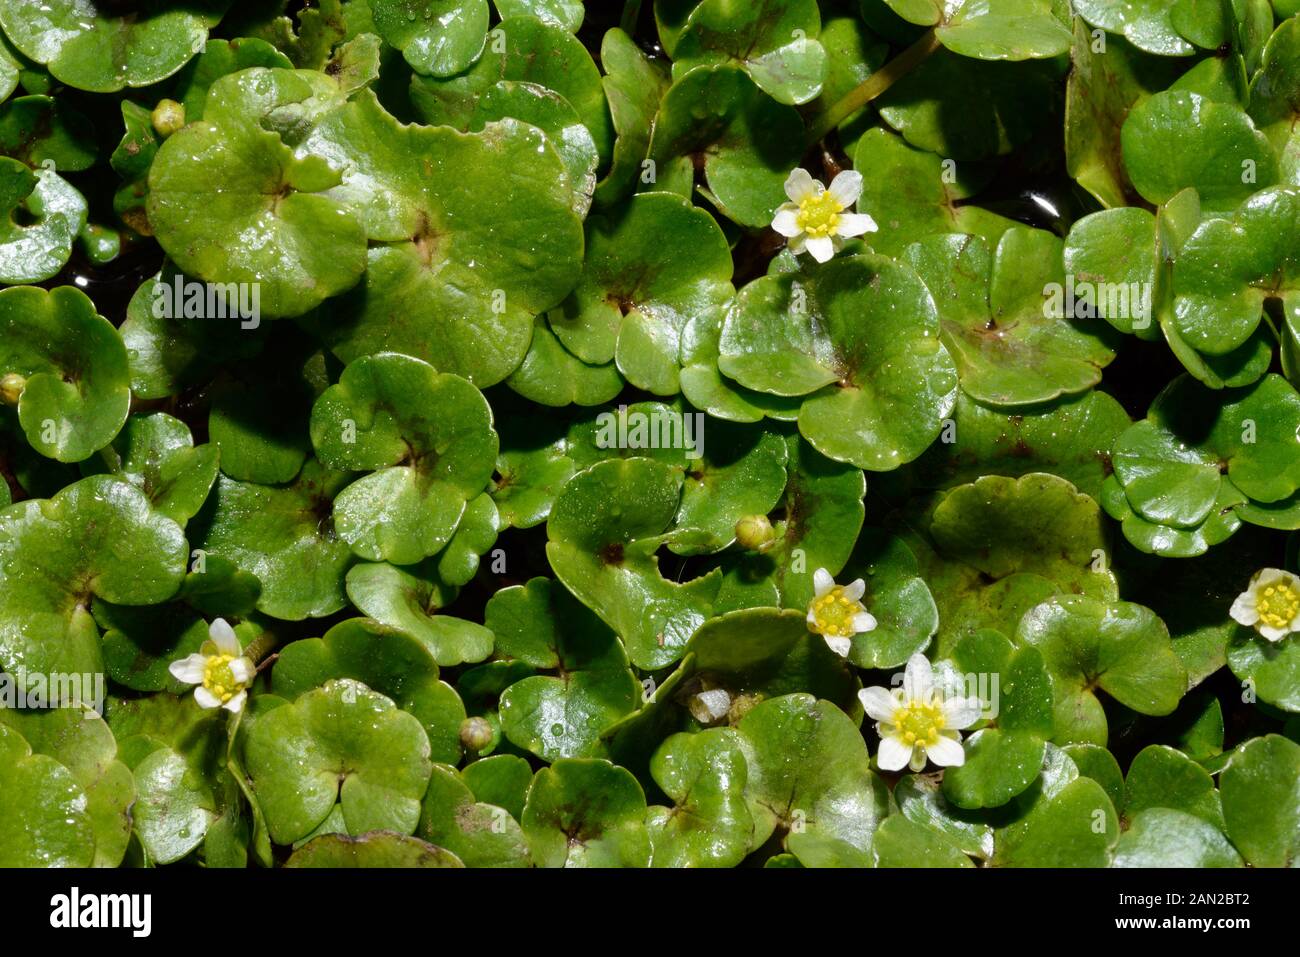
(836, 611)
(1270, 603)
(815, 219)
(915, 722)
(220, 670)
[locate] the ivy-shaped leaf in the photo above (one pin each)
(339, 743)
(560, 715)
(859, 338)
(425, 467)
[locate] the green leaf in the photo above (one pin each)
(995, 548)
(634, 84)
(554, 116)
(909, 195)
(174, 805)
(1104, 85)
(584, 812)
(453, 280)
(480, 834)
(43, 818)
(71, 370)
(97, 537)
(1161, 777)
(1070, 438)
(521, 48)
(560, 716)
(1004, 757)
(603, 532)
(1004, 30)
(42, 130)
(920, 799)
(1067, 821)
(424, 469)
(341, 742)
(99, 48)
(775, 41)
(766, 653)
(1119, 647)
(40, 215)
(1228, 269)
(437, 37)
(650, 266)
(372, 849)
(228, 175)
(1147, 24)
(747, 140)
(897, 597)
(1272, 668)
(80, 741)
(385, 660)
(1003, 319)
(218, 58)
(900, 842)
(968, 109)
(1261, 802)
(1273, 95)
(709, 823)
(808, 764)
(1165, 837)
(1175, 140)
(283, 536)
(409, 599)
(564, 13)
(862, 326)
(156, 453)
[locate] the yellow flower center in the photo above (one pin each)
(819, 215)
(919, 722)
(219, 679)
(1278, 604)
(834, 613)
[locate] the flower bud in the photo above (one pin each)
(754, 533)
(167, 117)
(475, 734)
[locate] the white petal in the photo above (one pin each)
(786, 220)
(918, 678)
(855, 224)
(236, 704)
(878, 703)
(223, 636)
(796, 245)
(822, 582)
(839, 645)
(206, 698)
(821, 248)
(708, 706)
(918, 759)
(1243, 610)
(812, 620)
(799, 185)
(243, 670)
(1273, 634)
(189, 669)
(855, 589)
(846, 187)
(863, 622)
(893, 754)
(961, 712)
(946, 752)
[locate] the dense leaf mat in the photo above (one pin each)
(668, 433)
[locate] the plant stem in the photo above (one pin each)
(874, 85)
(631, 12)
